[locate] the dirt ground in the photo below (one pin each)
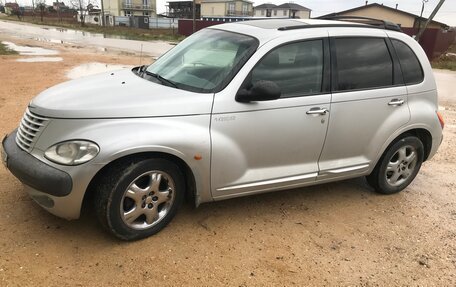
(338, 234)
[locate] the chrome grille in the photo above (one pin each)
(29, 129)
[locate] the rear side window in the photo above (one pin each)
(411, 68)
(363, 63)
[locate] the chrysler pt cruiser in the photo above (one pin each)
(233, 110)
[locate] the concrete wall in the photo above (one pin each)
(112, 7)
(168, 23)
(303, 14)
(213, 9)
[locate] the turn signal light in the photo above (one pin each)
(442, 122)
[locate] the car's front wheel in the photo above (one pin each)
(398, 166)
(138, 199)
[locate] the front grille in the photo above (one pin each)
(29, 129)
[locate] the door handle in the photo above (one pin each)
(396, 102)
(317, 111)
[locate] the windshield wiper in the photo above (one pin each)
(140, 70)
(143, 68)
(161, 79)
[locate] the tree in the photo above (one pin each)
(41, 5)
(82, 6)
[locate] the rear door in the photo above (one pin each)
(369, 102)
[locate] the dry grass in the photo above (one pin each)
(4, 50)
(446, 61)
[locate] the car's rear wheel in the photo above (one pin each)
(398, 166)
(138, 199)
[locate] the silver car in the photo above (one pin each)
(235, 109)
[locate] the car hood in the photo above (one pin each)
(118, 94)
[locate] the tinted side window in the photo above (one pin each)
(411, 68)
(363, 63)
(296, 68)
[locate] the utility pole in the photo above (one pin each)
(194, 16)
(421, 31)
(421, 15)
(102, 14)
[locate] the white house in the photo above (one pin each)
(286, 10)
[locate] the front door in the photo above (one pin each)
(270, 145)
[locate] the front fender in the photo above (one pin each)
(182, 137)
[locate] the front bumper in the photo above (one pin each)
(33, 172)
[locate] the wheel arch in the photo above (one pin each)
(425, 137)
(422, 134)
(189, 178)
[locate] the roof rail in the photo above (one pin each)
(383, 24)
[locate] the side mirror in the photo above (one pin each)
(260, 91)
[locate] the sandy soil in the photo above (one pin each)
(339, 234)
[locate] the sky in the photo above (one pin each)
(446, 14)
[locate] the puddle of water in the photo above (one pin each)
(84, 39)
(85, 34)
(30, 51)
(40, 59)
(49, 40)
(92, 69)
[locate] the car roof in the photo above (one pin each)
(267, 29)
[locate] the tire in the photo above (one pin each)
(398, 166)
(137, 199)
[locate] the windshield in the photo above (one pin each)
(204, 62)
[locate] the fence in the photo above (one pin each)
(185, 26)
(154, 23)
(435, 42)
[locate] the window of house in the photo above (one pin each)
(231, 8)
(127, 13)
(275, 12)
(363, 63)
(262, 12)
(410, 65)
(145, 13)
(296, 68)
(245, 9)
(285, 12)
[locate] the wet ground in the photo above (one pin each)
(61, 36)
(338, 234)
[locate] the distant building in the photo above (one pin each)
(183, 9)
(11, 8)
(286, 10)
(60, 6)
(378, 11)
(130, 8)
(226, 8)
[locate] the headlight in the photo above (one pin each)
(72, 152)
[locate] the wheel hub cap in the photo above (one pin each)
(147, 200)
(401, 165)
